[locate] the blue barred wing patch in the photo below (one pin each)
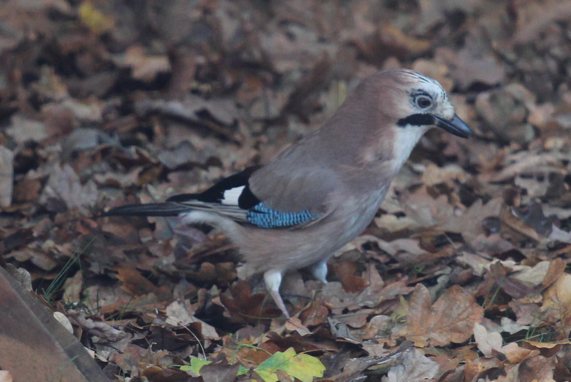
(265, 217)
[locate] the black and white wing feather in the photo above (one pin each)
(231, 197)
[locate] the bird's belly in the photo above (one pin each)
(294, 249)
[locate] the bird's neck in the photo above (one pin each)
(404, 140)
(383, 157)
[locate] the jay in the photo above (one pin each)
(323, 191)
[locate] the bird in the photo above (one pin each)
(321, 192)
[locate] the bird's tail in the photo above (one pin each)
(152, 209)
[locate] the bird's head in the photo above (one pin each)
(420, 102)
(409, 104)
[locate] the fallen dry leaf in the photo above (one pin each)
(487, 341)
(64, 186)
(346, 272)
(6, 176)
(144, 67)
(537, 368)
(181, 314)
(516, 354)
(392, 37)
(547, 345)
(533, 276)
(426, 210)
(134, 282)
(449, 320)
(533, 18)
(469, 223)
(415, 366)
(557, 302)
(559, 235)
(469, 67)
(559, 294)
(99, 110)
(510, 326)
(24, 129)
(392, 248)
(434, 175)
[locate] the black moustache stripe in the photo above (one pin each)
(416, 120)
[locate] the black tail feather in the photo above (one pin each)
(152, 209)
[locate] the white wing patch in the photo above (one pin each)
(231, 196)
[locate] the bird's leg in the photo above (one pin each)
(273, 280)
(319, 271)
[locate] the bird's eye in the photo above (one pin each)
(423, 101)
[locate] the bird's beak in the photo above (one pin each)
(455, 126)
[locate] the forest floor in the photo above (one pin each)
(462, 276)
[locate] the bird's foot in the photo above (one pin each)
(273, 280)
(319, 271)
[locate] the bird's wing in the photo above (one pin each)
(267, 199)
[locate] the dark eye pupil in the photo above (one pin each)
(423, 102)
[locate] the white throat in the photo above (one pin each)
(405, 139)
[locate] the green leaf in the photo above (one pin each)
(94, 19)
(301, 366)
(195, 366)
(242, 371)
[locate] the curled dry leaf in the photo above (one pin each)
(144, 67)
(101, 329)
(547, 345)
(294, 324)
(533, 276)
(476, 263)
(393, 223)
(490, 344)
(509, 326)
(415, 366)
(487, 341)
(179, 313)
(346, 271)
(511, 220)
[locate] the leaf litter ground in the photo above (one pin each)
(462, 276)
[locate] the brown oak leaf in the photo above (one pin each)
(449, 320)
